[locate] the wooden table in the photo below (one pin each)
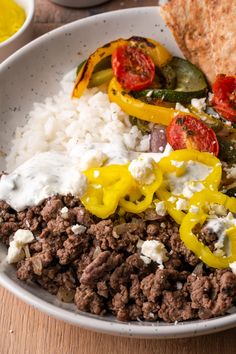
(25, 330)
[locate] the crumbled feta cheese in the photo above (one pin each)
(64, 213)
(91, 159)
(231, 172)
(96, 174)
(78, 229)
(210, 96)
(181, 204)
(233, 267)
(199, 103)
(217, 209)
(177, 164)
(194, 209)
(219, 252)
(160, 208)
(172, 199)
(219, 225)
(20, 239)
(145, 259)
(192, 187)
(14, 253)
(142, 170)
(155, 250)
(179, 285)
(139, 243)
(181, 108)
(144, 143)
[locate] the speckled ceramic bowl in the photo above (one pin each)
(23, 35)
(33, 73)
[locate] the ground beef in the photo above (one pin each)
(101, 269)
(212, 295)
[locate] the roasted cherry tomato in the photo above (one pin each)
(188, 132)
(133, 68)
(224, 99)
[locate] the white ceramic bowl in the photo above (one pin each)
(33, 73)
(79, 3)
(21, 37)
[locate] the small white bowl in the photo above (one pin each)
(79, 3)
(23, 35)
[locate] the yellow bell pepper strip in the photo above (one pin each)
(86, 71)
(133, 205)
(137, 108)
(164, 195)
(212, 181)
(155, 50)
(191, 220)
(159, 54)
(106, 186)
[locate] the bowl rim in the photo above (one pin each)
(28, 20)
(88, 321)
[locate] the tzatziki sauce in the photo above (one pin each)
(42, 176)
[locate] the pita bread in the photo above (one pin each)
(223, 35)
(170, 12)
(202, 28)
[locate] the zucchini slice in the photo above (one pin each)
(170, 95)
(184, 81)
(188, 77)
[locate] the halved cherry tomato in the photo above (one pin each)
(188, 132)
(133, 68)
(224, 99)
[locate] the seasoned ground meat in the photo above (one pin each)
(102, 271)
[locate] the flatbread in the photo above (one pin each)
(223, 35)
(202, 28)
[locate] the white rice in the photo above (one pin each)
(69, 125)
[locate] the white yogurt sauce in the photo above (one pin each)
(188, 183)
(50, 173)
(219, 225)
(42, 176)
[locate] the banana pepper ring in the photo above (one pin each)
(106, 186)
(191, 220)
(157, 52)
(212, 181)
(134, 205)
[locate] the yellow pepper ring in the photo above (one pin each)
(199, 249)
(212, 181)
(165, 164)
(203, 198)
(191, 241)
(159, 54)
(134, 205)
(106, 186)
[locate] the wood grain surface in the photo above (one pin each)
(25, 330)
